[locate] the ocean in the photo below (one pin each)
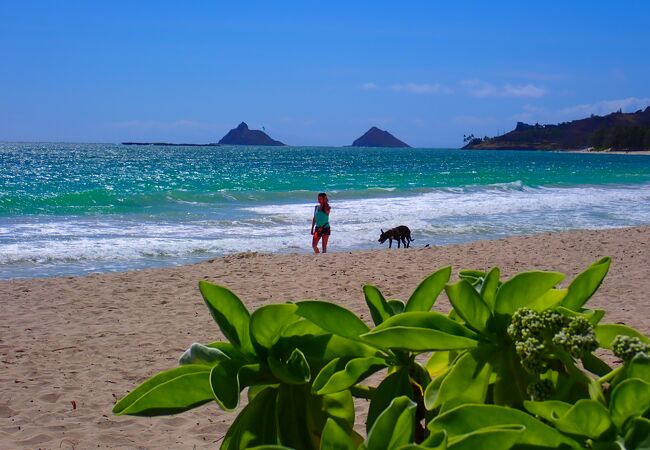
(69, 209)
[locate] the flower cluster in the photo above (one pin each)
(578, 338)
(540, 390)
(535, 334)
(627, 347)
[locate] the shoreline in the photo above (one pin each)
(306, 253)
(611, 152)
(90, 339)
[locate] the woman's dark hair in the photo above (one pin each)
(327, 203)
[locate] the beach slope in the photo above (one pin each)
(70, 347)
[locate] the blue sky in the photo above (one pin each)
(314, 73)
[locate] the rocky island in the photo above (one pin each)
(242, 135)
(615, 131)
(375, 137)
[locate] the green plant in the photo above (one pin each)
(273, 353)
(510, 367)
(618, 420)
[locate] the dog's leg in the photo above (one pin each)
(390, 242)
(398, 242)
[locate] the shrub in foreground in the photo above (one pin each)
(512, 366)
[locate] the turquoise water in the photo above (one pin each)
(78, 208)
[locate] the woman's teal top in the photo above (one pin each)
(322, 218)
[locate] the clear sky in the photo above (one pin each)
(314, 73)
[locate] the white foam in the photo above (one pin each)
(436, 217)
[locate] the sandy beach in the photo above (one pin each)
(71, 346)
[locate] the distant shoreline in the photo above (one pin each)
(609, 152)
(169, 144)
(612, 152)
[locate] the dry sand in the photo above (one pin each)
(71, 346)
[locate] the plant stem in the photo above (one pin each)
(609, 376)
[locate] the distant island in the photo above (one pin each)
(375, 137)
(242, 135)
(615, 131)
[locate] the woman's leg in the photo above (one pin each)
(326, 237)
(314, 242)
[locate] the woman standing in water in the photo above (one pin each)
(321, 221)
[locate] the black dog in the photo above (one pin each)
(401, 233)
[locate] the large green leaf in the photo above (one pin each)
(417, 339)
(428, 290)
(379, 308)
(270, 447)
(474, 277)
(638, 435)
(394, 427)
(512, 381)
(224, 379)
(630, 399)
(469, 418)
(436, 441)
(549, 300)
(499, 437)
(169, 392)
(593, 316)
(550, 410)
(230, 314)
(255, 425)
(294, 370)
(432, 391)
(419, 447)
(397, 306)
(439, 362)
(469, 305)
(523, 289)
(335, 437)
(335, 365)
(297, 426)
(605, 333)
(301, 328)
(267, 323)
(432, 320)
(587, 418)
(394, 385)
(339, 406)
(639, 367)
(355, 370)
(301, 416)
(466, 382)
(490, 286)
(202, 354)
(332, 318)
(586, 284)
(228, 349)
(319, 350)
